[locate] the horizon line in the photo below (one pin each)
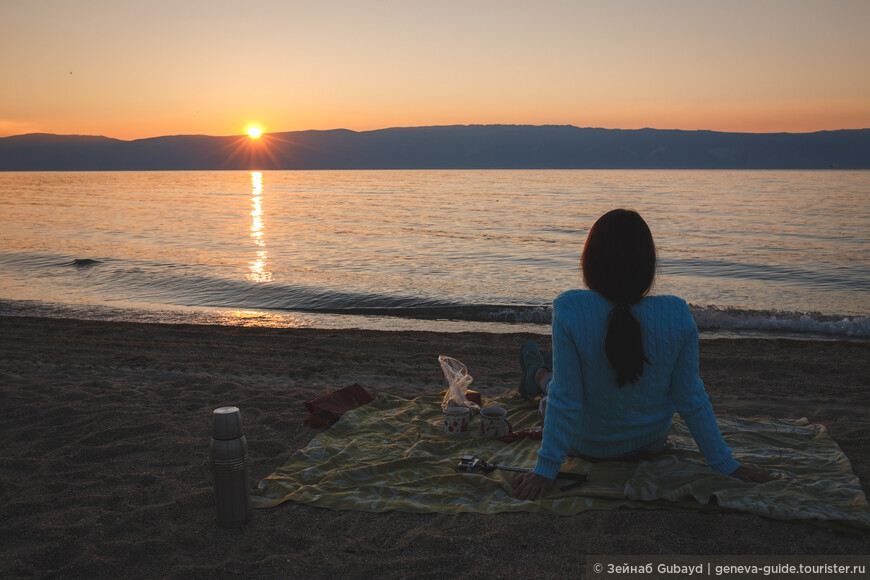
(265, 133)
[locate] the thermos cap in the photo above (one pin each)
(226, 423)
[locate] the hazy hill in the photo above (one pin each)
(449, 147)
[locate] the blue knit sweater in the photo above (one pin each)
(588, 413)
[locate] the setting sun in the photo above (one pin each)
(254, 132)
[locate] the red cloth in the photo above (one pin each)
(325, 409)
(532, 433)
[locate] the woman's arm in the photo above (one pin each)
(693, 404)
(565, 398)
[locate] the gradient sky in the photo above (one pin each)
(142, 69)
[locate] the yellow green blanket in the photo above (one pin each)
(392, 455)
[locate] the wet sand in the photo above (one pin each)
(105, 431)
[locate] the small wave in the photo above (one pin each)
(169, 285)
(724, 318)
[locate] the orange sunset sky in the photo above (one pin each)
(141, 69)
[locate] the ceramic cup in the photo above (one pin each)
(456, 420)
(494, 423)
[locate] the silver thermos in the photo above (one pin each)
(229, 465)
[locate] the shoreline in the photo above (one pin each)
(105, 466)
(770, 324)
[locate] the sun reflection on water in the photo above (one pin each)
(264, 319)
(257, 267)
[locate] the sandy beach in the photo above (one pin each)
(105, 430)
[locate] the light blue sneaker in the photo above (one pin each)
(530, 361)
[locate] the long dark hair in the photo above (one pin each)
(619, 262)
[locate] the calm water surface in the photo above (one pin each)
(783, 250)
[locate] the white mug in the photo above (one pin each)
(494, 422)
(456, 420)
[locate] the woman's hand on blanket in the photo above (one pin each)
(750, 474)
(531, 486)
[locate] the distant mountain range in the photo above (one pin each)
(447, 147)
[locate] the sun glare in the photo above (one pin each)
(254, 132)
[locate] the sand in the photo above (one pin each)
(105, 438)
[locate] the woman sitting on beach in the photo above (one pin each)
(623, 362)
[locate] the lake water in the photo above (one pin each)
(754, 251)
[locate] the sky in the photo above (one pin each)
(133, 70)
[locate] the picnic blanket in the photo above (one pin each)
(392, 454)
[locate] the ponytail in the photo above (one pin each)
(623, 345)
(619, 262)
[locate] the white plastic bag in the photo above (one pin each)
(458, 380)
